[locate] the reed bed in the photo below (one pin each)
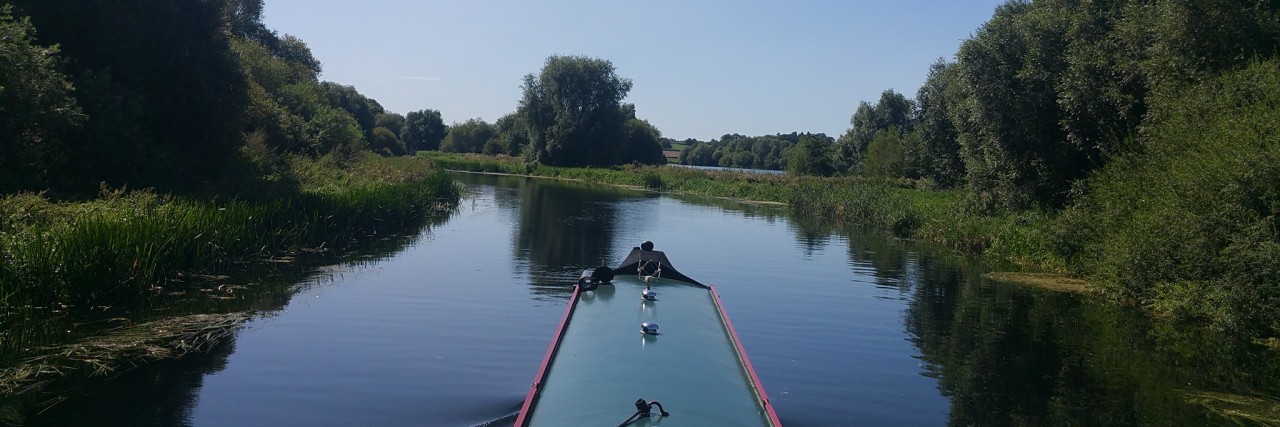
(120, 349)
(128, 242)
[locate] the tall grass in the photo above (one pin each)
(127, 242)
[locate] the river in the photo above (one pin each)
(448, 326)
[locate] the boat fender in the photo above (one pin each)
(649, 328)
(602, 274)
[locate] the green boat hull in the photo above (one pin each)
(601, 362)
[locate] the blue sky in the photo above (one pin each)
(700, 69)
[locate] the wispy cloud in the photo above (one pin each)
(420, 78)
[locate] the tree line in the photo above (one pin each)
(183, 96)
(1047, 92)
(1148, 129)
(570, 114)
(198, 96)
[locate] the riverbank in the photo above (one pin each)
(1020, 240)
(129, 242)
(72, 272)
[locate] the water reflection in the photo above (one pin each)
(160, 393)
(842, 326)
(1006, 355)
(562, 228)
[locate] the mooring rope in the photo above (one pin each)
(644, 410)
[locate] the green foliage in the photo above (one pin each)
(1016, 156)
(363, 109)
(469, 137)
(894, 154)
(162, 93)
(391, 121)
(330, 128)
(37, 111)
(940, 150)
(892, 111)
(573, 113)
(810, 156)
(385, 142)
(1188, 225)
(747, 152)
(1048, 91)
(423, 130)
(513, 136)
(640, 143)
(140, 239)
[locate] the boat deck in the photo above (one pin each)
(603, 363)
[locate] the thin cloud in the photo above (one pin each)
(421, 78)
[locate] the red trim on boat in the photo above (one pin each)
(523, 418)
(746, 362)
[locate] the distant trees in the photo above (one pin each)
(751, 152)
(468, 137)
(423, 130)
(893, 111)
(573, 114)
(811, 156)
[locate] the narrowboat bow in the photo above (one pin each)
(610, 364)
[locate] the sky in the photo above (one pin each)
(700, 69)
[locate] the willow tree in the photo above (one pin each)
(573, 112)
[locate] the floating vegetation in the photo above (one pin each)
(1258, 410)
(1049, 281)
(121, 349)
(1272, 343)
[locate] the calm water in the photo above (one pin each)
(447, 327)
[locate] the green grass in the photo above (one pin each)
(765, 188)
(126, 242)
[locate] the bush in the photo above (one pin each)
(1189, 225)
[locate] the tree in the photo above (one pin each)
(810, 156)
(893, 110)
(36, 108)
(163, 94)
(940, 150)
(640, 143)
(469, 137)
(423, 130)
(894, 154)
(512, 137)
(364, 109)
(573, 112)
(385, 142)
(1016, 154)
(392, 121)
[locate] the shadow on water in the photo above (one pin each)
(162, 392)
(561, 227)
(883, 332)
(1006, 354)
